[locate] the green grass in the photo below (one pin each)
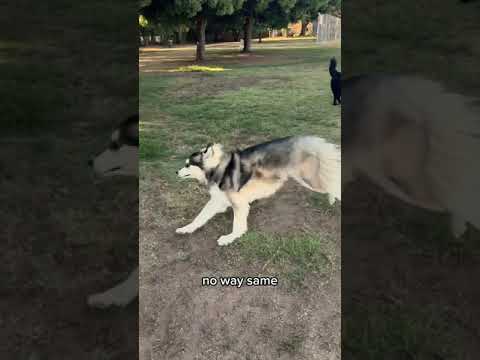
(46, 80)
(402, 37)
(320, 202)
(291, 345)
(399, 332)
(294, 256)
(286, 93)
(407, 37)
(284, 90)
(31, 99)
(249, 103)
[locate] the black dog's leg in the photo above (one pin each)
(336, 100)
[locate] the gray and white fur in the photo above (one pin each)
(120, 158)
(417, 141)
(237, 178)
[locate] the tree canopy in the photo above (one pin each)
(199, 12)
(236, 16)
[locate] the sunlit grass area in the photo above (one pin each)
(198, 68)
(281, 89)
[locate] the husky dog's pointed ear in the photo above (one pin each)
(208, 150)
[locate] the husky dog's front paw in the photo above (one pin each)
(226, 239)
(188, 229)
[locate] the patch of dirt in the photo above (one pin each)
(208, 85)
(64, 238)
(156, 59)
(180, 319)
(426, 275)
(212, 86)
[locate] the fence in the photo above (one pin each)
(328, 28)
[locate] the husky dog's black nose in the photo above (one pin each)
(176, 172)
(90, 162)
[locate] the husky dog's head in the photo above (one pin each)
(200, 162)
(121, 156)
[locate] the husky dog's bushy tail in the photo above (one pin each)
(319, 166)
(451, 164)
(455, 147)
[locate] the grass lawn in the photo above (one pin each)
(414, 260)
(282, 89)
(68, 77)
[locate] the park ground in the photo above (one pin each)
(407, 281)
(281, 89)
(66, 83)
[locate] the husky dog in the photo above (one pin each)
(120, 158)
(335, 82)
(417, 141)
(237, 178)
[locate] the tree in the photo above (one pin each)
(166, 28)
(251, 9)
(260, 29)
(227, 24)
(273, 17)
(261, 11)
(333, 7)
(142, 25)
(307, 10)
(235, 25)
(197, 11)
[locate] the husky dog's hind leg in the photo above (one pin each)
(318, 167)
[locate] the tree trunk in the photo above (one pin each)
(179, 36)
(247, 34)
(144, 37)
(303, 31)
(201, 26)
(236, 36)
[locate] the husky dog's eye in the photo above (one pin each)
(114, 146)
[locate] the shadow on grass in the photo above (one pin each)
(395, 332)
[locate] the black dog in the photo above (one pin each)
(335, 83)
